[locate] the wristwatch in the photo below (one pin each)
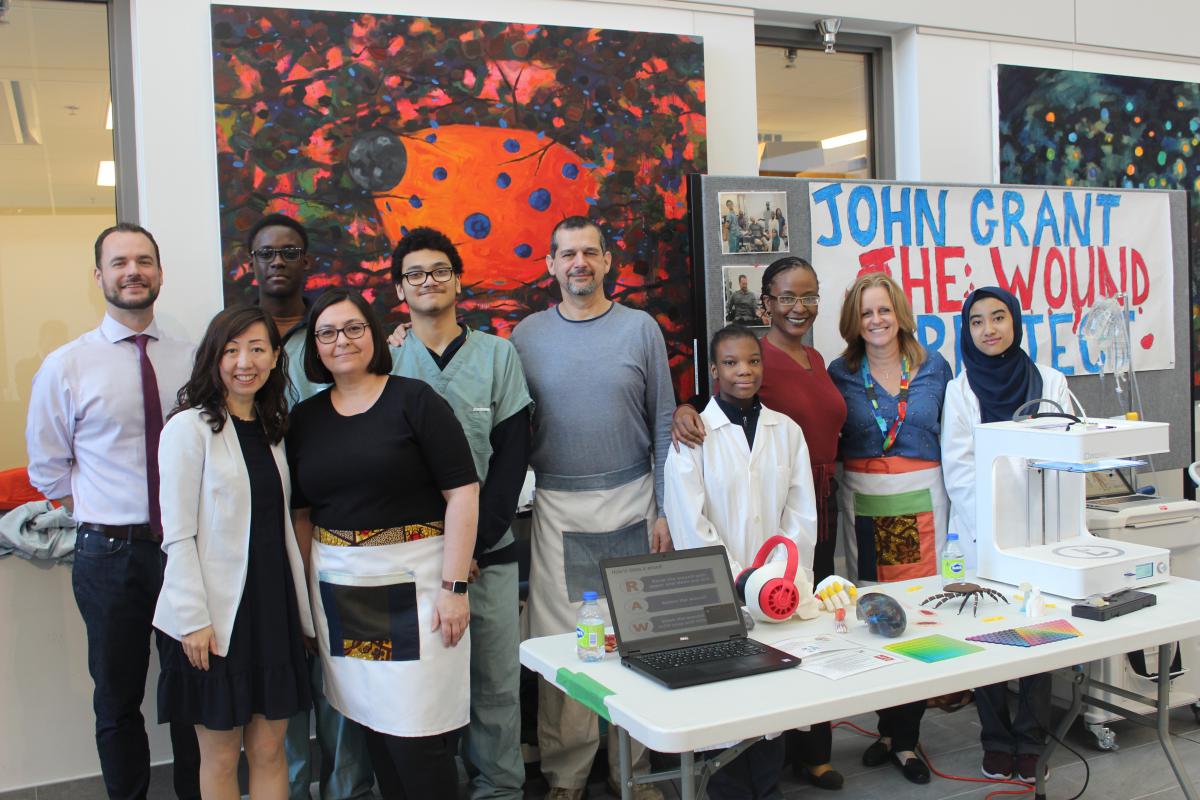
(458, 587)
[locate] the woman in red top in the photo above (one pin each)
(795, 383)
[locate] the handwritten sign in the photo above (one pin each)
(1058, 250)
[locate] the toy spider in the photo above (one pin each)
(953, 591)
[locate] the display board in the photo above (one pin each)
(1059, 249)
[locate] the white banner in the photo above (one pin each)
(1058, 250)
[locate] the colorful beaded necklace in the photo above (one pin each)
(889, 434)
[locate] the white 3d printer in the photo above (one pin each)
(1035, 529)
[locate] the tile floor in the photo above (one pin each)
(1136, 771)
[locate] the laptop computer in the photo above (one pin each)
(678, 620)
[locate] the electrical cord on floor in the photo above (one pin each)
(1020, 790)
(1022, 699)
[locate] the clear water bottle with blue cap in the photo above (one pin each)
(589, 630)
(954, 564)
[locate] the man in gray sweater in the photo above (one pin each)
(598, 375)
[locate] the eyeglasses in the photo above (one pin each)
(266, 255)
(417, 277)
(787, 300)
(352, 330)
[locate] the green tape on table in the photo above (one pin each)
(584, 689)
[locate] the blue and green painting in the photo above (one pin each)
(1069, 128)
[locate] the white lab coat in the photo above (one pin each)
(722, 492)
(960, 415)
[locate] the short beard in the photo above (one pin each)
(114, 299)
(583, 291)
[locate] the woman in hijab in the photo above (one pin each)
(998, 378)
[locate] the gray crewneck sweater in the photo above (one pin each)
(603, 398)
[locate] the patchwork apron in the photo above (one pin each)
(374, 594)
(893, 513)
(572, 532)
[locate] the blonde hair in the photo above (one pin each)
(850, 323)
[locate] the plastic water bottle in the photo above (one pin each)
(589, 630)
(954, 565)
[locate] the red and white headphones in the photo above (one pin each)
(770, 591)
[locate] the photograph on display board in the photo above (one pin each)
(364, 126)
(753, 222)
(742, 293)
(1072, 128)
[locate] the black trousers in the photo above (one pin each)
(414, 768)
(116, 584)
(902, 724)
(754, 775)
(809, 748)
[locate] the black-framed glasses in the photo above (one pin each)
(417, 277)
(266, 255)
(788, 300)
(352, 330)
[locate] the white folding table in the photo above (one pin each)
(700, 717)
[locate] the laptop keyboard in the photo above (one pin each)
(699, 654)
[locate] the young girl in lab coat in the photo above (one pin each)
(998, 377)
(750, 480)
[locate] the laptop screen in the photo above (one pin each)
(672, 597)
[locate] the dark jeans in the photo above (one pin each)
(1020, 734)
(902, 724)
(116, 583)
(414, 768)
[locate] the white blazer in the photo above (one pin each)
(722, 492)
(960, 415)
(204, 492)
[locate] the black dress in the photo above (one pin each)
(265, 670)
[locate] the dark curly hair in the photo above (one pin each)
(424, 239)
(206, 391)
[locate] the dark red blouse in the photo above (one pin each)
(808, 396)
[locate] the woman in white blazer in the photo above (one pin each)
(998, 378)
(233, 597)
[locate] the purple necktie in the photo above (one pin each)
(154, 424)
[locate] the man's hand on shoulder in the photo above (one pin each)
(398, 336)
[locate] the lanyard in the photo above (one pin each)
(889, 434)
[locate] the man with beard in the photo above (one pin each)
(279, 255)
(598, 374)
(95, 415)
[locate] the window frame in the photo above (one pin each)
(880, 102)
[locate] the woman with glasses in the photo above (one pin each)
(893, 503)
(233, 594)
(385, 489)
(795, 383)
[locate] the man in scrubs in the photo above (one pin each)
(480, 376)
(598, 374)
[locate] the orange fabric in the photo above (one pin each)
(15, 489)
(888, 465)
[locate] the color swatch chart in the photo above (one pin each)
(1030, 635)
(933, 648)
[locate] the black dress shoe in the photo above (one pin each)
(829, 779)
(914, 769)
(876, 754)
